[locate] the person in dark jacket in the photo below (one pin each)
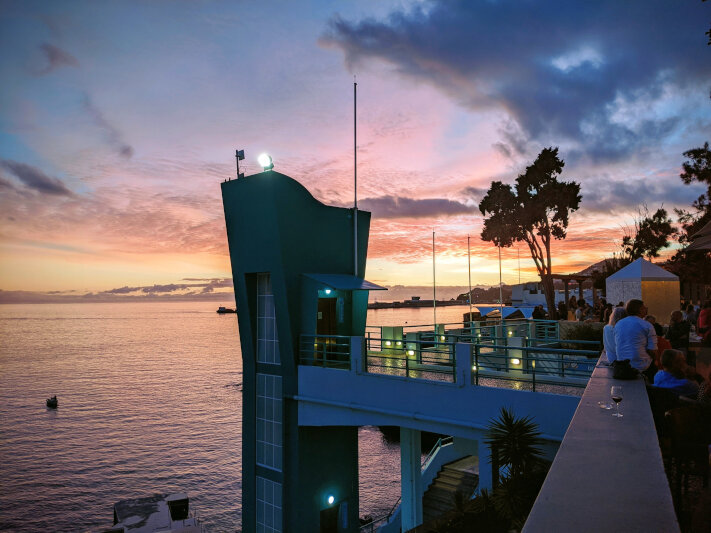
(678, 332)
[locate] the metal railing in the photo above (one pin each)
(430, 358)
(371, 527)
(330, 351)
(537, 362)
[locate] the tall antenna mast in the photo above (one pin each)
(355, 183)
(501, 290)
(469, 271)
(434, 284)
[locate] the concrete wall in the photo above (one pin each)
(274, 225)
(339, 397)
(608, 474)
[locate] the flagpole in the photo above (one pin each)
(434, 284)
(355, 184)
(501, 289)
(469, 271)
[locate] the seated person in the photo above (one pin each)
(662, 343)
(678, 333)
(675, 374)
(608, 334)
(635, 339)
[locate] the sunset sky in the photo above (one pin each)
(119, 120)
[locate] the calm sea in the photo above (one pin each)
(149, 401)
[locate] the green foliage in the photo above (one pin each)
(581, 332)
(652, 234)
(698, 168)
(508, 506)
(516, 442)
(535, 211)
(693, 266)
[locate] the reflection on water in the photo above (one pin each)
(150, 399)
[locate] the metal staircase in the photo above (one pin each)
(458, 477)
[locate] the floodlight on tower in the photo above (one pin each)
(265, 161)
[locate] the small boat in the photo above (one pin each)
(222, 310)
(52, 402)
(160, 512)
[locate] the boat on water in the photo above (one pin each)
(165, 513)
(223, 310)
(52, 402)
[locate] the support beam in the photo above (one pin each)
(463, 361)
(410, 478)
(485, 467)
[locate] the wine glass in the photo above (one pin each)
(616, 395)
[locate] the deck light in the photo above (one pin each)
(510, 333)
(388, 343)
(330, 499)
(265, 161)
(410, 352)
(398, 343)
(473, 367)
(515, 361)
(441, 338)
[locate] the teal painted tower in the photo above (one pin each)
(292, 266)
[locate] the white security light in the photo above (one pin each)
(327, 291)
(515, 361)
(265, 161)
(331, 499)
(410, 352)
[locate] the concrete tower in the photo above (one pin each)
(292, 265)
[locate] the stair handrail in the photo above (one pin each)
(440, 442)
(386, 518)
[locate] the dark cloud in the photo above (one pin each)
(562, 70)
(34, 178)
(122, 290)
(398, 207)
(607, 196)
(6, 184)
(208, 286)
(56, 57)
(171, 287)
(113, 136)
(476, 193)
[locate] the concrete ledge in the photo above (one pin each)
(608, 474)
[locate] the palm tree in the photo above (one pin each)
(514, 443)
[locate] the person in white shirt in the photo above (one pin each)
(608, 333)
(635, 338)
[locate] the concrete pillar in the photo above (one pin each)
(567, 292)
(358, 355)
(463, 358)
(410, 478)
(484, 466)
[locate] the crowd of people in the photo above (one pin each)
(662, 356)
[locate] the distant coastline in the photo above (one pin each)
(414, 303)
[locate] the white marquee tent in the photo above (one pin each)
(641, 279)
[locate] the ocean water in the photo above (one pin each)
(149, 401)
